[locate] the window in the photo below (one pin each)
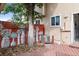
(55, 21)
(37, 21)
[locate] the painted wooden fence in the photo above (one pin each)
(11, 35)
(40, 34)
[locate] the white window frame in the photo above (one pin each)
(55, 21)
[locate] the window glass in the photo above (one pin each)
(53, 21)
(57, 20)
(37, 21)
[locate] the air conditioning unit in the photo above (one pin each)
(41, 10)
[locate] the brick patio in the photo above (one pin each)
(54, 50)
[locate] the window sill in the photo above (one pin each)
(55, 26)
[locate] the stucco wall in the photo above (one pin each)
(65, 38)
(65, 10)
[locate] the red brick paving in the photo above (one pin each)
(54, 50)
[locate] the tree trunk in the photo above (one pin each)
(31, 18)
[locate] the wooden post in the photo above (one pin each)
(26, 35)
(52, 39)
(1, 6)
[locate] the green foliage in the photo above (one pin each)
(24, 10)
(8, 8)
(15, 8)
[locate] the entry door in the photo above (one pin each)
(76, 27)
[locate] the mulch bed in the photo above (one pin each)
(17, 50)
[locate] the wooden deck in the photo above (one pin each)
(54, 50)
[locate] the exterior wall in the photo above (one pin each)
(65, 38)
(56, 33)
(65, 11)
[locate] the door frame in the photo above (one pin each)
(72, 28)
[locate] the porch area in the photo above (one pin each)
(54, 50)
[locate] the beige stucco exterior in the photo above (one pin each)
(62, 34)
